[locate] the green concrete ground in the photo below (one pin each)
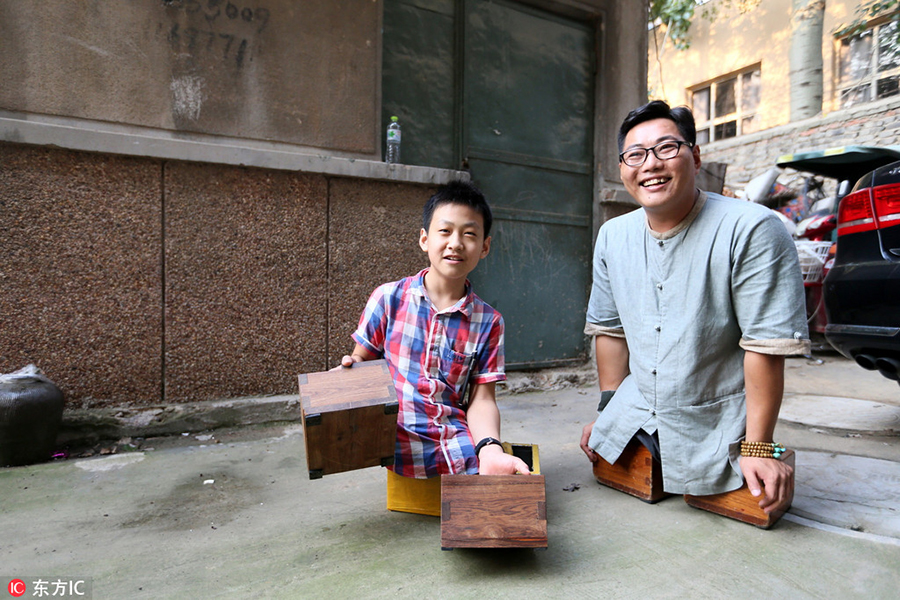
(236, 516)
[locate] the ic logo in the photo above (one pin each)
(16, 588)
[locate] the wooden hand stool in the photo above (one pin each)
(349, 418)
(742, 505)
(495, 511)
(635, 472)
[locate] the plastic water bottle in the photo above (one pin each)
(393, 141)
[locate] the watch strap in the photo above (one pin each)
(486, 442)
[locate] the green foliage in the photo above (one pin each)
(677, 15)
(867, 11)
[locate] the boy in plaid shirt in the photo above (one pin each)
(442, 344)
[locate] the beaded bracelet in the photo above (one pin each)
(762, 449)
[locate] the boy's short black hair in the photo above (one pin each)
(681, 115)
(459, 192)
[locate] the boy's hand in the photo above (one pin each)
(492, 460)
(359, 354)
(346, 362)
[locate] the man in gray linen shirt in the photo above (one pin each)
(695, 302)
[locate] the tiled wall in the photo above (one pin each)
(137, 282)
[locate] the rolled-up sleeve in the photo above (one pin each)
(602, 315)
(768, 293)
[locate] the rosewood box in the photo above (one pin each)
(741, 504)
(349, 418)
(495, 511)
(634, 472)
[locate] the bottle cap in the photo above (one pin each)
(394, 119)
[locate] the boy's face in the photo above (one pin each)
(455, 241)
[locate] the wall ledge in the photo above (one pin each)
(109, 138)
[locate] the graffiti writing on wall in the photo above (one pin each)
(222, 29)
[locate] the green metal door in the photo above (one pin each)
(527, 137)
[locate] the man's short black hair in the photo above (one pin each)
(681, 115)
(459, 192)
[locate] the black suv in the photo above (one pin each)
(862, 288)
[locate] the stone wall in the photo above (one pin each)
(138, 281)
(304, 73)
(874, 124)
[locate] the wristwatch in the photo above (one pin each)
(486, 442)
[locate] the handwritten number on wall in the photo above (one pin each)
(217, 13)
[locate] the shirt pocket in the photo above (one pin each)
(455, 368)
(706, 401)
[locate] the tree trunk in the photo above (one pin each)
(807, 18)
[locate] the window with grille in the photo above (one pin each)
(727, 107)
(869, 65)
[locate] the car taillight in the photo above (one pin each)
(855, 213)
(886, 199)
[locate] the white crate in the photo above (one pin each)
(812, 259)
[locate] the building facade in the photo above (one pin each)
(769, 77)
(193, 203)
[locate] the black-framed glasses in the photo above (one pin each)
(635, 157)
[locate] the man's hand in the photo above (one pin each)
(612, 369)
(771, 476)
(585, 438)
(492, 460)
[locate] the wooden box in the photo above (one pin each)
(635, 472)
(741, 504)
(493, 511)
(349, 418)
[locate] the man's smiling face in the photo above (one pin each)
(661, 186)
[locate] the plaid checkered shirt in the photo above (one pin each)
(431, 353)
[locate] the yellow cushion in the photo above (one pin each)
(419, 496)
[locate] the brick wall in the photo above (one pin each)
(873, 124)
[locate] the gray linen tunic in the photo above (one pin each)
(689, 302)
